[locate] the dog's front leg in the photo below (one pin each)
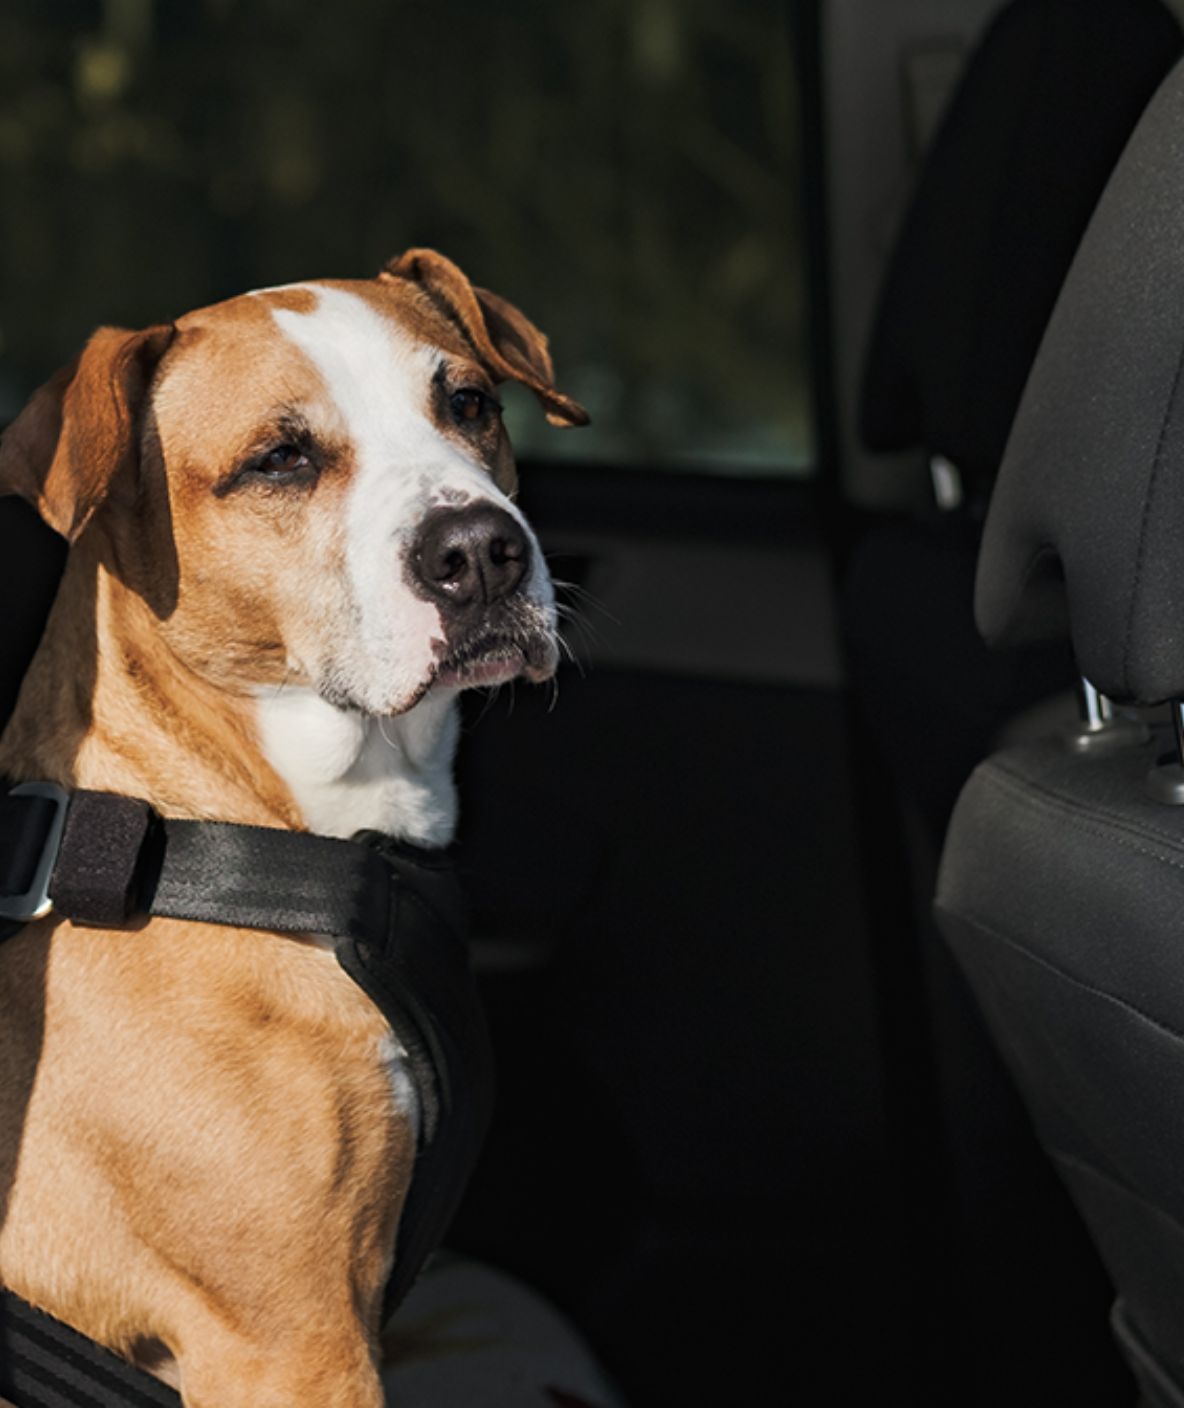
(310, 1370)
(212, 1157)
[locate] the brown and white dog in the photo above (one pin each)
(293, 542)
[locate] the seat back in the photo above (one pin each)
(1062, 880)
(1060, 894)
(1040, 117)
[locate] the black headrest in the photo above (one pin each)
(1089, 507)
(1043, 111)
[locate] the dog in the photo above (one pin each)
(293, 542)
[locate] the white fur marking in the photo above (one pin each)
(386, 762)
(379, 381)
(351, 773)
(393, 1055)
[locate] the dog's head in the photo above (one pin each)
(311, 485)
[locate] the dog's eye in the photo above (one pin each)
(284, 466)
(471, 404)
(283, 460)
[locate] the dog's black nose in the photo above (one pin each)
(470, 557)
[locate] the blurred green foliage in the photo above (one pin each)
(626, 171)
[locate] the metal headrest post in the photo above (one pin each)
(1100, 726)
(1097, 712)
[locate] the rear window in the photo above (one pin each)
(626, 171)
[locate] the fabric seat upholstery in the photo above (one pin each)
(1062, 881)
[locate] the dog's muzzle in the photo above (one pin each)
(475, 565)
(467, 560)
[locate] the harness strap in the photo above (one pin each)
(45, 1364)
(397, 915)
(118, 858)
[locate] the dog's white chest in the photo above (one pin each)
(349, 773)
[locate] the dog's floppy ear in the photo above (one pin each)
(506, 342)
(64, 450)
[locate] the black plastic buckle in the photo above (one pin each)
(35, 902)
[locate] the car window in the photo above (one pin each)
(626, 171)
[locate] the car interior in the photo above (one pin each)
(869, 575)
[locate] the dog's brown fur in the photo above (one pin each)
(200, 1163)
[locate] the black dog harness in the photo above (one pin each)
(398, 917)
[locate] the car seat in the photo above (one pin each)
(1062, 882)
(1040, 117)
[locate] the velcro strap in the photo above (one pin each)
(24, 829)
(96, 877)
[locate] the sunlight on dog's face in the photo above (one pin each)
(300, 439)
